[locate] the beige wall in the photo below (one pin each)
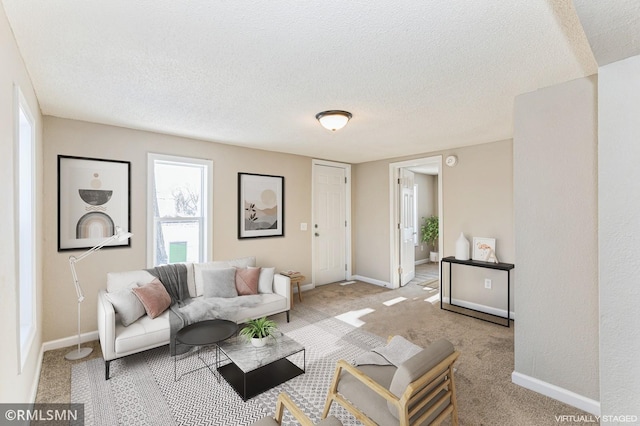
(619, 235)
(69, 137)
(16, 387)
(477, 200)
(555, 186)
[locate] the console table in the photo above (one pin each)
(507, 267)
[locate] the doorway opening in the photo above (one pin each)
(415, 193)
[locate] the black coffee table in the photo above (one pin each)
(203, 334)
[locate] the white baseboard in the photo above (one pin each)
(421, 261)
(69, 341)
(557, 393)
(304, 287)
(371, 281)
(482, 308)
(34, 387)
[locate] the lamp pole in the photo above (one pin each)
(119, 235)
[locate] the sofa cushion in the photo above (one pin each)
(154, 297)
(146, 333)
(418, 365)
(127, 305)
(199, 267)
(265, 282)
(247, 280)
(219, 282)
(269, 304)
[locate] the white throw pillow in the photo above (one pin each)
(265, 282)
(127, 305)
(117, 281)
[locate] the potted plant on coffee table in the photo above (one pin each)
(257, 330)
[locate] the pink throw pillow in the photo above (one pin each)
(154, 297)
(247, 281)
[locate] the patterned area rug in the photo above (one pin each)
(142, 390)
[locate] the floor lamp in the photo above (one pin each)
(118, 236)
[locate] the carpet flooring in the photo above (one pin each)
(486, 395)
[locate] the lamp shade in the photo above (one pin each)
(333, 120)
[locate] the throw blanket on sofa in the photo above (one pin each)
(186, 310)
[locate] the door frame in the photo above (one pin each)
(347, 206)
(394, 211)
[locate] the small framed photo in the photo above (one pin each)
(484, 249)
(260, 206)
(93, 198)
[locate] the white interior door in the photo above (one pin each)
(407, 227)
(330, 226)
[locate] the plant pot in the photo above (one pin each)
(433, 256)
(259, 342)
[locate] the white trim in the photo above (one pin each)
(207, 242)
(371, 281)
(34, 386)
(482, 308)
(394, 208)
(70, 341)
(421, 261)
(24, 349)
(347, 172)
(560, 394)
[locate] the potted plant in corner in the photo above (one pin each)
(257, 330)
(430, 230)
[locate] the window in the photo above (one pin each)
(179, 209)
(416, 221)
(26, 226)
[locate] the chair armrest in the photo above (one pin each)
(343, 365)
(282, 286)
(285, 401)
(106, 326)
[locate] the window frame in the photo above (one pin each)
(26, 257)
(206, 219)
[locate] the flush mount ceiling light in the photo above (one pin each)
(333, 120)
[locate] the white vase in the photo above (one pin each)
(462, 248)
(258, 342)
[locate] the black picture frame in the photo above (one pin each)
(94, 196)
(260, 206)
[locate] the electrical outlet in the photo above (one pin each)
(421, 247)
(487, 283)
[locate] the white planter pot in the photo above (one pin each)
(433, 256)
(259, 342)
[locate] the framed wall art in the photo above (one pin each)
(484, 249)
(260, 206)
(94, 196)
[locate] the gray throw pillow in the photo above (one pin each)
(219, 282)
(127, 305)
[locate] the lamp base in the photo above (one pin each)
(78, 353)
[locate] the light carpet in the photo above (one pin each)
(142, 389)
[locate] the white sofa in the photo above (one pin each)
(145, 333)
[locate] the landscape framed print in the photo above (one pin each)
(260, 206)
(94, 196)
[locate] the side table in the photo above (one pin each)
(296, 281)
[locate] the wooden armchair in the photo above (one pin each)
(284, 401)
(419, 391)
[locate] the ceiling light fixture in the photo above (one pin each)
(333, 120)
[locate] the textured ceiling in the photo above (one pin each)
(418, 76)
